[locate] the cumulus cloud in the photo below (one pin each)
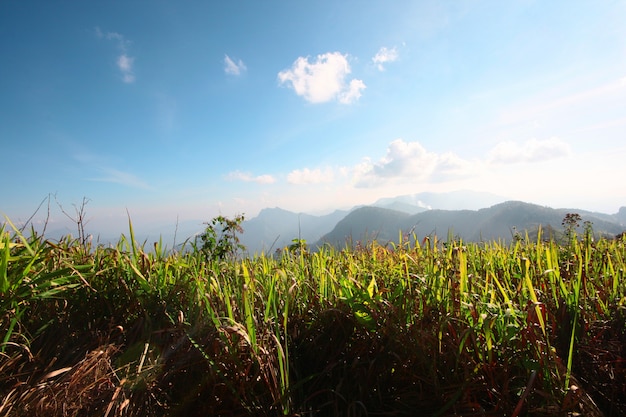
(407, 162)
(124, 61)
(532, 150)
(383, 56)
(324, 79)
(452, 167)
(310, 176)
(405, 159)
(247, 177)
(233, 68)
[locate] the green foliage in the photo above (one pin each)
(25, 278)
(220, 240)
(428, 329)
(298, 246)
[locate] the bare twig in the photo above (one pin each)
(35, 213)
(80, 219)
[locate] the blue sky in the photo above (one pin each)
(184, 110)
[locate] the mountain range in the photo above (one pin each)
(499, 222)
(473, 216)
(478, 217)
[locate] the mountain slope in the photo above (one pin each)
(275, 228)
(367, 223)
(500, 221)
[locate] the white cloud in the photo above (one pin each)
(118, 37)
(233, 68)
(125, 65)
(353, 92)
(323, 80)
(410, 162)
(532, 150)
(311, 176)
(405, 159)
(247, 177)
(383, 56)
(124, 62)
(452, 167)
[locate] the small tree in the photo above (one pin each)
(220, 239)
(571, 221)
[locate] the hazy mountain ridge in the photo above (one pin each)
(367, 223)
(500, 221)
(386, 218)
(423, 214)
(275, 228)
(454, 200)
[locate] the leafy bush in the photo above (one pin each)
(220, 240)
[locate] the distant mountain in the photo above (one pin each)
(275, 228)
(454, 200)
(423, 214)
(401, 206)
(471, 215)
(367, 223)
(620, 216)
(496, 222)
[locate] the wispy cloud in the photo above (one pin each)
(567, 101)
(383, 56)
(124, 61)
(233, 68)
(324, 79)
(532, 150)
(102, 170)
(116, 176)
(311, 176)
(247, 177)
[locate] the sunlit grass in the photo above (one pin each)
(438, 327)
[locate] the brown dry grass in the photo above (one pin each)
(89, 387)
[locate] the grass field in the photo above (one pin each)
(423, 327)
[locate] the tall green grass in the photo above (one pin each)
(431, 327)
